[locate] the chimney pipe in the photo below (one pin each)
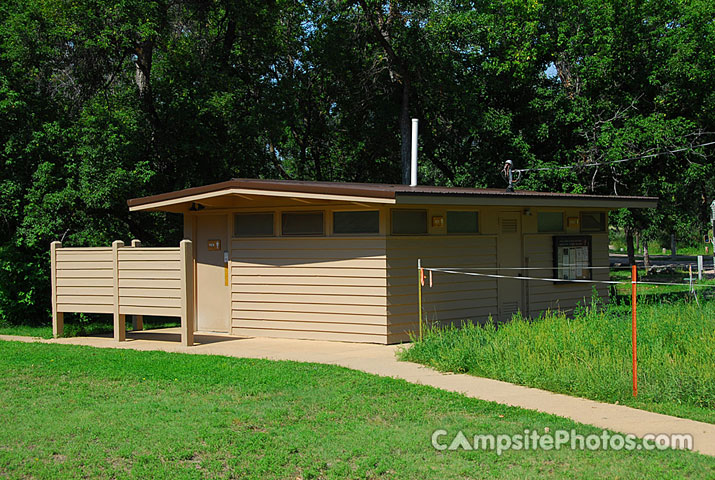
(413, 168)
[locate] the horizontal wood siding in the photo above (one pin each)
(452, 298)
(85, 280)
(544, 295)
(149, 281)
(325, 288)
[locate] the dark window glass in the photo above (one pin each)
(409, 222)
(550, 222)
(593, 222)
(356, 222)
(302, 223)
(462, 222)
(253, 225)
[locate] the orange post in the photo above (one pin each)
(634, 330)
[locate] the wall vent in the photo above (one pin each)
(508, 225)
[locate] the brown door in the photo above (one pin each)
(213, 296)
(509, 256)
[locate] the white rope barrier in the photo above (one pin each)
(607, 282)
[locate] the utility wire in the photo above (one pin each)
(640, 157)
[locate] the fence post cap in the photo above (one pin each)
(136, 243)
(117, 243)
(56, 244)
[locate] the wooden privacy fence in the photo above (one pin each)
(124, 281)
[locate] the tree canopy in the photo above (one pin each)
(105, 100)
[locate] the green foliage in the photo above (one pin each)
(70, 412)
(589, 355)
(101, 101)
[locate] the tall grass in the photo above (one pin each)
(589, 355)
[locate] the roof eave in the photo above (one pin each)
(520, 199)
(158, 202)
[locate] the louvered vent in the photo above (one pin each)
(508, 225)
(508, 309)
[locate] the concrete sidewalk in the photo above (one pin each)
(380, 360)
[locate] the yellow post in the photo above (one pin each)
(58, 318)
(419, 292)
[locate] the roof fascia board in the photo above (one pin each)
(262, 193)
(523, 201)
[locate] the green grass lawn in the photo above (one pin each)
(71, 412)
(589, 355)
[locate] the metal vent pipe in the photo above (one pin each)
(413, 166)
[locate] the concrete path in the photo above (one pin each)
(380, 360)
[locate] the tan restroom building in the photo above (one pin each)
(338, 261)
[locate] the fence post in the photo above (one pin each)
(120, 333)
(58, 318)
(187, 293)
(419, 292)
(634, 335)
(700, 267)
(137, 320)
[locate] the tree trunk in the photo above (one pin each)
(405, 131)
(638, 240)
(629, 247)
(646, 255)
(144, 53)
(673, 246)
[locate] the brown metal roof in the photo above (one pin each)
(381, 191)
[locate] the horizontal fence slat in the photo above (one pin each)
(84, 273)
(85, 290)
(174, 283)
(85, 281)
(149, 292)
(86, 299)
(150, 310)
(149, 274)
(149, 302)
(150, 265)
(75, 265)
(135, 255)
(84, 256)
(80, 308)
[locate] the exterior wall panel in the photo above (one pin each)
(452, 298)
(324, 288)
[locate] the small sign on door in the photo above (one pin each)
(214, 245)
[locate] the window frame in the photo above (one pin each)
(392, 221)
(563, 221)
(302, 212)
(362, 234)
(273, 223)
(446, 221)
(604, 228)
